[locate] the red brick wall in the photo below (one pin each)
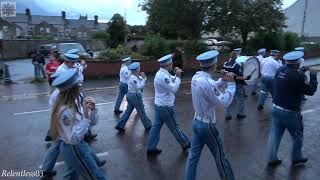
(112, 68)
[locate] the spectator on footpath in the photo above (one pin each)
(51, 67)
(177, 58)
(38, 61)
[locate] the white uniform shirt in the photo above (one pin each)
(206, 96)
(79, 67)
(270, 67)
(165, 87)
(261, 60)
(135, 84)
(124, 74)
(53, 99)
(72, 126)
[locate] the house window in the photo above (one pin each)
(85, 35)
(41, 30)
(5, 28)
(48, 30)
(79, 34)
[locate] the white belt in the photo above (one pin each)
(281, 108)
(139, 91)
(203, 119)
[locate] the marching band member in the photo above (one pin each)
(232, 66)
(260, 57)
(70, 121)
(134, 97)
(206, 97)
(165, 87)
(289, 86)
(268, 71)
(123, 84)
(302, 68)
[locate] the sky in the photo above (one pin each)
(103, 8)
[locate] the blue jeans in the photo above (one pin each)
(53, 152)
(207, 134)
(266, 87)
(134, 101)
(282, 120)
(239, 95)
(37, 71)
(254, 87)
(166, 115)
(79, 162)
(123, 90)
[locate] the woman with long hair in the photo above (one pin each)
(70, 121)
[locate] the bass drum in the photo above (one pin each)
(250, 66)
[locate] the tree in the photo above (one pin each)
(116, 30)
(246, 16)
(176, 18)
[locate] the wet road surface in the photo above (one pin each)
(24, 123)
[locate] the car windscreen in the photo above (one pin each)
(63, 48)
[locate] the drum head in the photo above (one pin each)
(251, 67)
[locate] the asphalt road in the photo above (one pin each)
(25, 119)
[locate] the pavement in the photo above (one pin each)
(25, 118)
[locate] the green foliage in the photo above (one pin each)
(194, 47)
(311, 46)
(176, 18)
(103, 36)
(246, 16)
(155, 46)
(291, 40)
(275, 40)
(109, 54)
(43, 37)
(116, 30)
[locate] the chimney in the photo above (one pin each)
(63, 14)
(95, 19)
(28, 13)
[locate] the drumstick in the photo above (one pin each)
(253, 72)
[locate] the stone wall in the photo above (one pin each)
(16, 49)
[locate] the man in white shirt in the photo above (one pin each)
(269, 68)
(261, 58)
(165, 87)
(136, 83)
(123, 84)
(206, 98)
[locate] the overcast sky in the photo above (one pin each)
(103, 8)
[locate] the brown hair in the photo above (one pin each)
(65, 98)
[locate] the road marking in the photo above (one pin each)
(59, 163)
(310, 111)
(24, 96)
(45, 110)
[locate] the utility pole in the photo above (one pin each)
(304, 20)
(125, 28)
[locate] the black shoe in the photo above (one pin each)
(147, 129)
(119, 129)
(93, 137)
(48, 174)
(48, 138)
(101, 163)
(274, 163)
(117, 112)
(253, 93)
(228, 118)
(241, 116)
(186, 147)
(299, 162)
(154, 152)
(87, 138)
(260, 107)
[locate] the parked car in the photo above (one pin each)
(46, 49)
(65, 47)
